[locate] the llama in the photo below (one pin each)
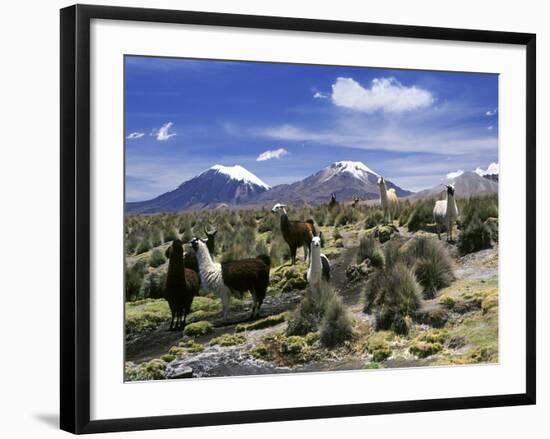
(319, 265)
(388, 200)
(224, 278)
(446, 212)
(190, 259)
(355, 201)
(182, 285)
(333, 203)
(295, 233)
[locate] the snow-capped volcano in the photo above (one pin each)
(218, 184)
(357, 169)
(239, 173)
(346, 179)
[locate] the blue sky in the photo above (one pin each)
(284, 122)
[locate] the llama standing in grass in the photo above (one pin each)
(233, 277)
(355, 201)
(388, 200)
(333, 203)
(296, 233)
(446, 212)
(319, 265)
(182, 285)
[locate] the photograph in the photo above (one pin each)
(299, 218)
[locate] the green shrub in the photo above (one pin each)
(153, 286)
(336, 324)
(262, 323)
(492, 224)
(228, 340)
(198, 328)
(393, 295)
(424, 349)
(373, 219)
(134, 280)
(151, 370)
(259, 351)
(369, 249)
(157, 258)
(476, 236)
(143, 246)
(431, 263)
(305, 318)
(421, 215)
(170, 234)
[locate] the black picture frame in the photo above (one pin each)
(75, 217)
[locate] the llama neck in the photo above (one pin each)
(176, 265)
(315, 259)
(203, 257)
(284, 219)
(452, 210)
(383, 193)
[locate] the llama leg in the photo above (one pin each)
(225, 303)
(172, 311)
(306, 253)
(254, 304)
(171, 322)
(293, 255)
(184, 319)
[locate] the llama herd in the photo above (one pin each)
(195, 269)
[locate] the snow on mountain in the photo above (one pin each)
(357, 169)
(239, 173)
(452, 175)
(492, 169)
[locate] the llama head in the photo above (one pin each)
(278, 208)
(450, 189)
(316, 242)
(381, 181)
(176, 249)
(198, 242)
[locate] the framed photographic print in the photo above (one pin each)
(284, 218)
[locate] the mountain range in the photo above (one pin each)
(222, 186)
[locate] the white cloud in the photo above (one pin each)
(490, 127)
(135, 135)
(386, 94)
(320, 95)
(491, 112)
(272, 154)
(393, 138)
(455, 174)
(163, 133)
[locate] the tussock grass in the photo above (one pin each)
(369, 249)
(431, 263)
(393, 295)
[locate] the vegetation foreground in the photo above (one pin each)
(398, 296)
